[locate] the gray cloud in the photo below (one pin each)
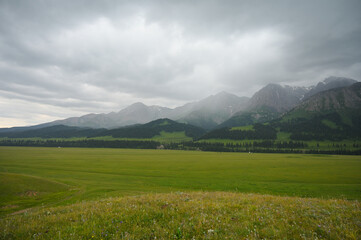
(100, 56)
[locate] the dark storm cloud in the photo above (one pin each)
(99, 56)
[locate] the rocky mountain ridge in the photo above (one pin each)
(333, 99)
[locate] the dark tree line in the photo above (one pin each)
(82, 143)
(258, 147)
(255, 146)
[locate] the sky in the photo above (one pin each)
(67, 58)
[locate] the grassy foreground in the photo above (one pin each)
(197, 215)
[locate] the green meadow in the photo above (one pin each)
(69, 175)
(92, 193)
(163, 137)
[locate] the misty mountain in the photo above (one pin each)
(210, 111)
(205, 113)
(267, 104)
(329, 83)
(220, 110)
(276, 97)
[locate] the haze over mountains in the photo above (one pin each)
(206, 113)
(331, 115)
(329, 83)
(222, 110)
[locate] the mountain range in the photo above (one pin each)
(225, 109)
(206, 113)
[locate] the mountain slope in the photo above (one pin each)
(244, 118)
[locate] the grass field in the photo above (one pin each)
(75, 174)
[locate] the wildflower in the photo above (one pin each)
(210, 230)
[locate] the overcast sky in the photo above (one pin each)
(68, 58)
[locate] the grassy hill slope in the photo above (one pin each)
(154, 128)
(244, 118)
(159, 130)
(193, 215)
(18, 191)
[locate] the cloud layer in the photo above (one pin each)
(68, 58)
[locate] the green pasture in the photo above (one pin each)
(166, 137)
(243, 128)
(163, 137)
(75, 174)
